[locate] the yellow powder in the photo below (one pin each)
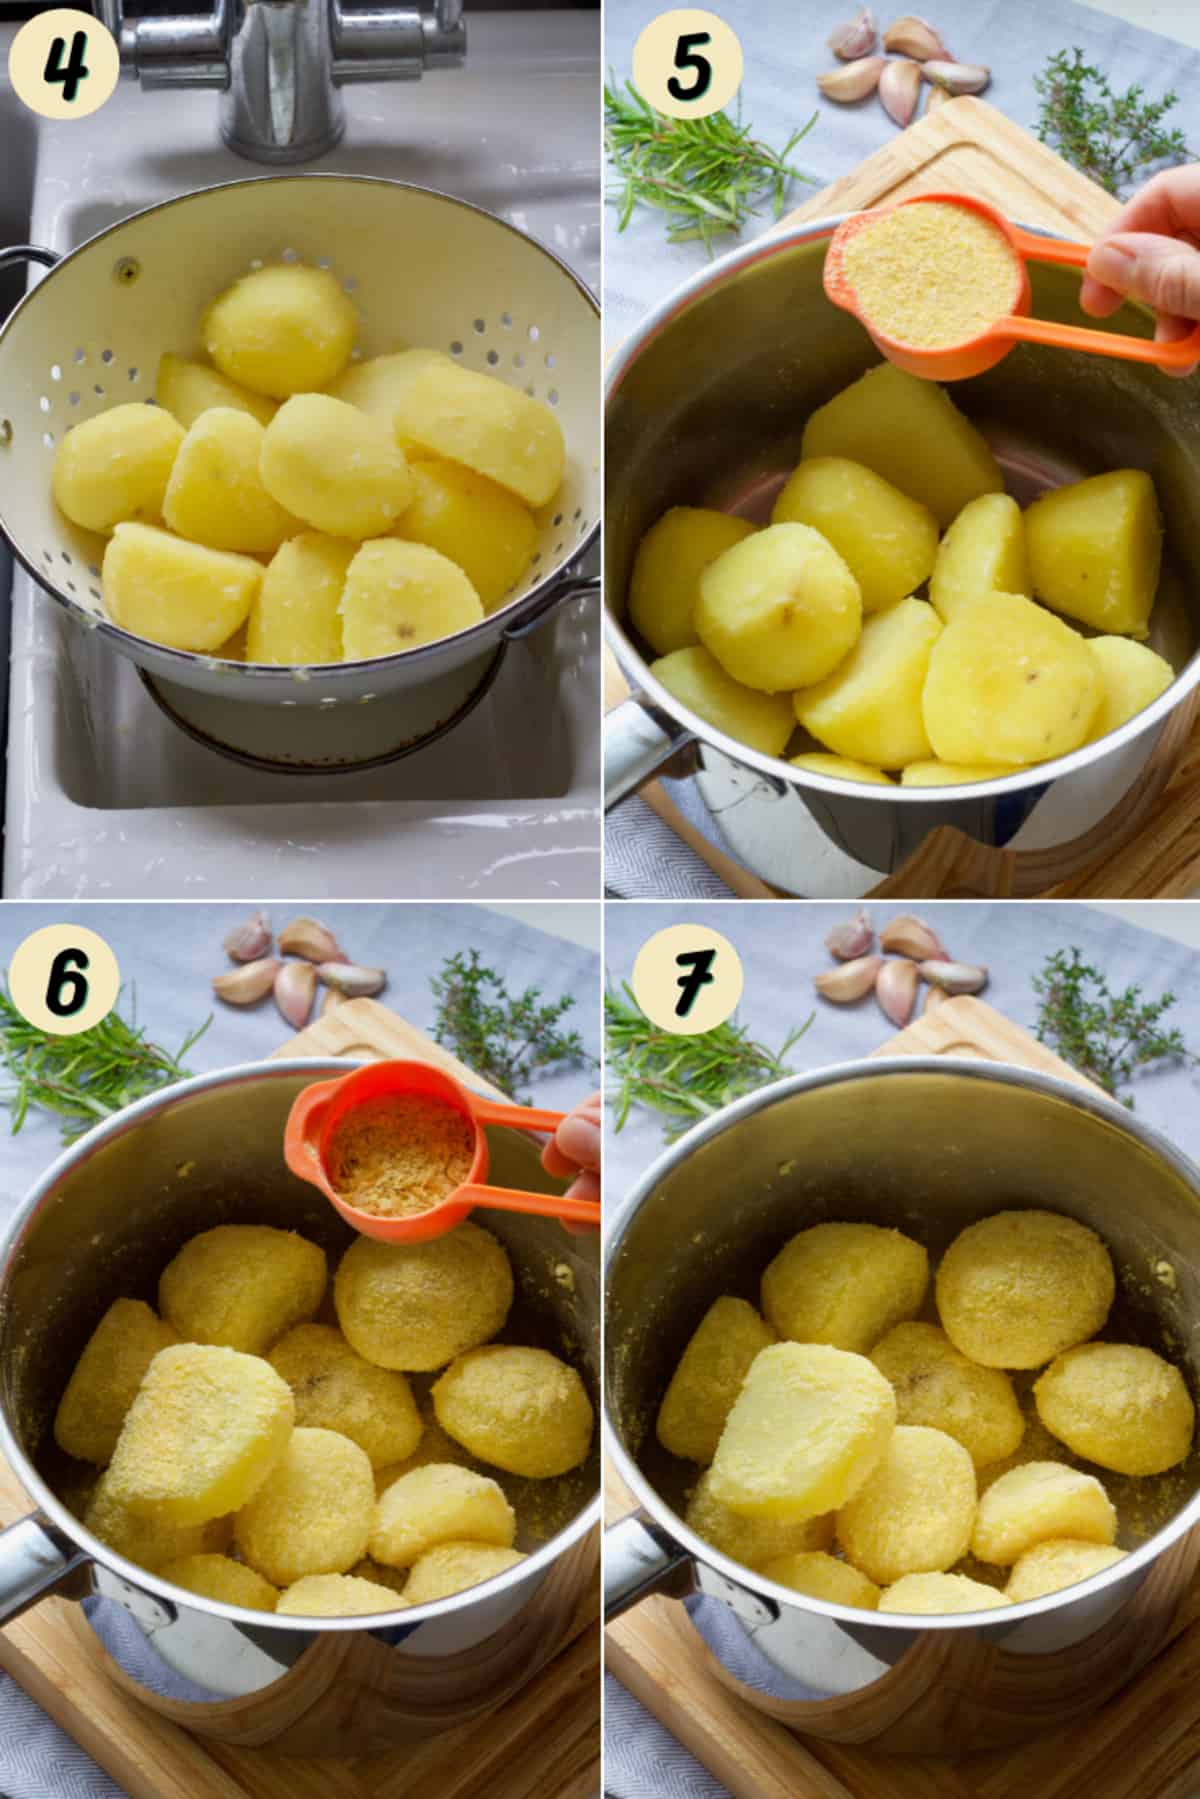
(932, 275)
(399, 1155)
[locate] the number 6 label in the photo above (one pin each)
(687, 63)
(64, 979)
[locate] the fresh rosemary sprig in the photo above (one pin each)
(684, 1078)
(84, 1077)
(504, 1039)
(707, 175)
(1105, 1035)
(1108, 136)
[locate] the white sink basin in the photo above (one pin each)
(106, 796)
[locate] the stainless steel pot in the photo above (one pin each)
(927, 1146)
(103, 1222)
(707, 403)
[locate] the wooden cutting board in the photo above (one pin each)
(543, 1743)
(1144, 1744)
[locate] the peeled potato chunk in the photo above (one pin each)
(664, 585)
(440, 1503)
(914, 1512)
(335, 1389)
(933, 1593)
(519, 1409)
(115, 467)
(910, 432)
(1059, 1563)
(482, 422)
(824, 1577)
(752, 1541)
(206, 1429)
(186, 389)
(1119, 1405)
(762, 721)
(281, 330)
(181, 594)
(400, 595)
(1009, 682)
(982, 552)
(869, 708)
(215, 495)
(376, 384)
(808, 1428)
(473, 522)
(435, 1446)
(242, 1285)
(450, 1567)
(887, 540)
(1034, 1502)
(844, 1284)
(219, 1577)
(337, 468)
(708, 1378)
(1016, 1289)
(415, 1306)
(953, 774)
(336, 1596)
(296, 618)
(1132, 674)
(105, 1379)
(778, 610)
(312, 1514)
(841, 766)
(149, 1541)
(936, 1385)
(1095, 550)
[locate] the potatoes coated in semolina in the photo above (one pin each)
(914, 1513)
(215, 496)
(440, 1503)
(242, 1285)
(1095, 550)
(335, 1389)
(1119, 1405)
(114, 468)
(1017, 1288)
(106, 1378)
(887, 540)
(337, 468)
(400, 595)
(982, 552)
(312, 1514)
(452, 1567)
(186, 389)
(1059, 1563)
(336, 1596)
(149, 1540)
(870, 708)
(296, 618)
(954, 774)
(779, 610)
(936, 1385)
(664, 585)
(929, 1594)
(219, 1577)
(520, 1409)
(708, 1378)
(415, 1306)
(819, 762)
(176, 593)
(482, 422)
(281, 330)
(474, 522)
(1037, 1501)
(1132, 674)
(844, 1284)
(824, 1577)
(1010, 683)
(762, 721)
(752, 1541)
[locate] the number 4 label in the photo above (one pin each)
(687, 63)
(63, 64)
(64, 979)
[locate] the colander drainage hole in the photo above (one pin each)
(48, 439)
(534, 334)
(456, 348)
(493, 357)
(81, 355)
(55, 372)
(44, 403)
(134, 374)
(506, 320)
(518, 361)
(552, 396)
(106, 356)
(550, 359)
(67, 560)
(73, 399)
(479, 327)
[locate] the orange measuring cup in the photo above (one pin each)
(971, 356)
(321, 1108)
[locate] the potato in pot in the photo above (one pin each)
(869, 708)
(1095, 550)
(780, 609)
(762, 721)
(982, 552)
(664, 586)
(887, 541)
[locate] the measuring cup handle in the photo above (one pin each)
(1081, 337)
(522, 1118)
(538, 1205)
(1051, 249)
(300, 1150)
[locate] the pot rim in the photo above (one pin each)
(50, 1506)
(634, 664)
(1091, 1101)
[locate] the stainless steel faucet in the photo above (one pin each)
(279, 63)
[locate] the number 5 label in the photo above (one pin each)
(64, 979)
(687, 63)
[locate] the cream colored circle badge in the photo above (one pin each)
(64, 979)
(64, 64)
(687, 979)
(687, 63)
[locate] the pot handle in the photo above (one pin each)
(28, 253)
(34, 1560)
(641, 1559)
(639, 740)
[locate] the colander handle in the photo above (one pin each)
(572, 587)
(28, 253)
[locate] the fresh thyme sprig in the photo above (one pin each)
(683, 1078)
(707, 175)
(85, 1077)
(1105, 1035)
(504, 1039)
(1108, 136)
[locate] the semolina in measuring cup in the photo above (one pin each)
(900, 278)
(321, 1109)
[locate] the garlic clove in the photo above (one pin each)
(915, 37)
(249, 940)
(896, 991)
(351, 981)
(854, 37)
(908, 936)
(954, 977)
(852, 939)
(958, 77)
(899, 86)
(309, 938)
(246, 985)
(853, 81)
(850, 981)
(295, 989)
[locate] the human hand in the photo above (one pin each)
(1151, 252)
(574, 1150)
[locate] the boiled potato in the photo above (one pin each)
(930, 1594)
(953, 774)
(752, 1541)
(335, 1389)
(1010, 683)
(1132, 675)
(474, 522)
(181, 594)
(1016, 1289)
(149, 1541)
(708, 1378)
(910, 432)
(664, 585)
(762, 721)
(186, 389)
(400, 595)
(296, 618)
(1119, 1405)
(105, 1379)
(824, 1577)
(887, 541)
(523, 1410)
(335, 467)
(982, 552)
(415, 1306)
(807, 1430)
(336, 1596)
(869, 708)
(215, 496)
(219, 1577)
(312, 1514)
(451, 1567)
(779, 610)
(376, 384)
(1037, 1501)
(439, 1503)
(482, 422)
(913, 1515)
(242, 1285)
(844, 1284)
(115, 467)
(936, 1385)
(1095, 550)
(1059, 1563)
(841, 766)
(281, 330)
